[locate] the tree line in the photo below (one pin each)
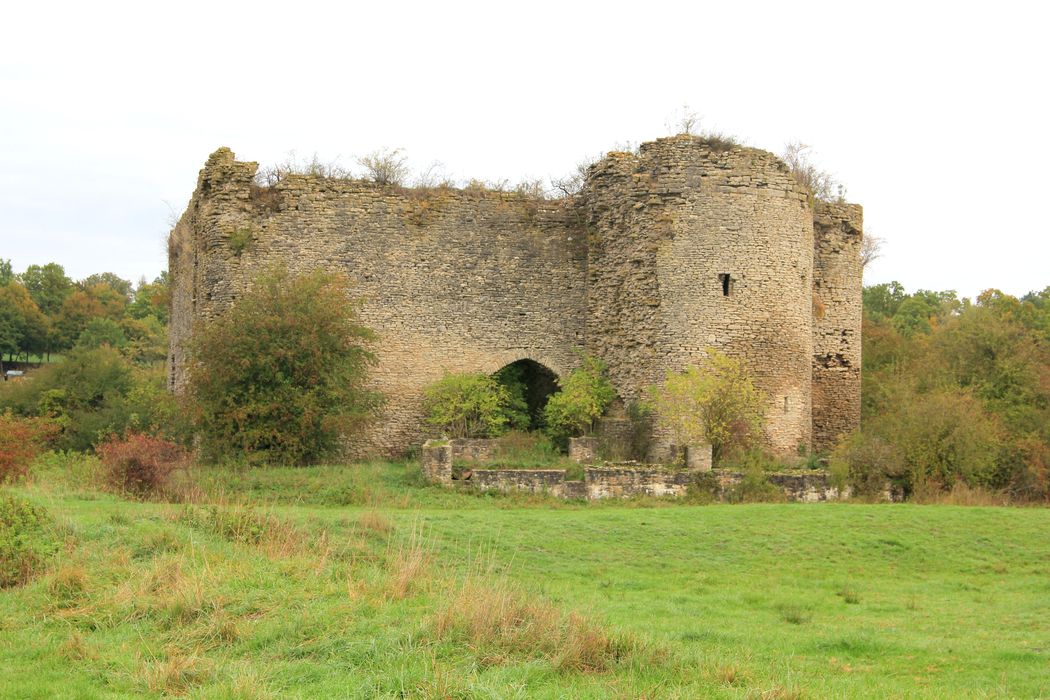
(954, 391)
(43, 311)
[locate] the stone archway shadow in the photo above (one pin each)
(531, 382)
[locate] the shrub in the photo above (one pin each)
(86, 378)
(96, 393)
(820, 183)
(281, 375)
(755, 487)
(1025, 472)
(21, 440)
(28, 538)
(140, 465)
(753, 458)
(492, 616)
(716, 404)
(512, 377)
(585, 394)
(468, 405)
(385, 167)
(865, 463)
(943, 437)
(928, 442)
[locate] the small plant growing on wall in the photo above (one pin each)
(240, 239)
(585, 394)
(717, 403)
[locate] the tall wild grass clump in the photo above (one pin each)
(497, 620)
(244, 524)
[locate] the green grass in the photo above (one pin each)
(361, 582)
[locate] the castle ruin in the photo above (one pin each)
(666, 252)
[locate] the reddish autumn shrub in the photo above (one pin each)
(139, 465)
(21, 440)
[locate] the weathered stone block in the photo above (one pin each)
(583, 450)
(437, 462)
(698, 458)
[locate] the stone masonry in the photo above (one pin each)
(665, 253)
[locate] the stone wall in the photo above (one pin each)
(633, 270)
(665, 226)
(597, 483)
(800, 488)
(436, 462)
(837, 313)
(452, 280)
(473, 450)
(608, 480)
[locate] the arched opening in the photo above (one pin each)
(530, 385)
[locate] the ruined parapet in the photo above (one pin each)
(837, 313)
(197, 257)
(697, 458)
(453, 280)
(626, 481)
(695, 246)
(797, 488)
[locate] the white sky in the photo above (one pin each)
(934, 116)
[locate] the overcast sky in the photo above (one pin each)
(934, 118)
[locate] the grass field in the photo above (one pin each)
(360, 582)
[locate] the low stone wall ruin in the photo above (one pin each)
(598, 482)
(802, 488)
(607, 480)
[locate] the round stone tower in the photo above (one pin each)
(693, 245)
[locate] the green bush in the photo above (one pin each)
(931, 441)
(755, 487)
(512, 377)
(468, 405)
(753, 458)
(96, 393)
(585, 394)
(717, 404)
(84, 380)
(865, 463)
(28, 538)
(281, 375)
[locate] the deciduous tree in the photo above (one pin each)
(282, 373)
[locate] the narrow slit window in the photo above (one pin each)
(785, 404)
(727, 283)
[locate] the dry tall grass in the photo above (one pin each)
(248, 524)
(375, 522)
(959, 495)
(407, 563)
(176, 674)
(498, 621)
